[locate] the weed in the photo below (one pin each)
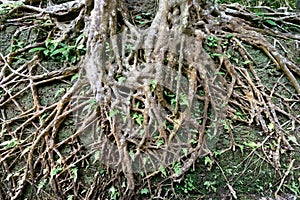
(144, 191)
(56, 50)
(138, 117)
(212, 41)
(113, 193)
(177, 168)
(210, 186)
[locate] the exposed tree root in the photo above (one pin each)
(164, 84)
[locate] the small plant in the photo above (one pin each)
(74, 77)
(17, 44)
(129, 47)
(57, 50)
(227, 124)
(252, 144)
(188, 185)
(70, 197)
(264, 20)
(160, 142)
(213, 55)
(152, 84)
(239, 115)
(162, 169)
(183, 99)
(59, 92)
(177, 168)
(138, 117)
(131, 154)
(294, 187)
(41, 185)
(74, 172)
(212, 41)
(114, 112)
(6, 7)
(208, 161)
(113, 193)
(121, 78)
(145, 191)
(185, 151)
(210, 186)
(10, 144)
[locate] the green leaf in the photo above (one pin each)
(123, 184)
(160, 142)
(131, 154)
(74, 77)
(236, 60)
(46, 52)
(216, 55)
(185, 151)
(210, 185)
(113, 112)
(36, 49)
(207, 160)
(271, 22)
(57, 51)
(251, 144)
(169, 95)
(145, 191)
(184, 99)
(152, 84)
(246, 62)
(259, 14)
(218, 152)
(96, 156)
(44, 116)
(102, 171)
(55, 171)
(41, 185)
(193, 141)
(241, 147)
(48, 42)
(139, 118)
(162, 169)
(293, 139)
(74, 173)
(177, 168)
(173, 102)
(271, 126)
(230, 35)
(121, 79)
(142, 174)
(113, 192)
(70, 197)
(58, 92)
(219, 73)
(10, 144)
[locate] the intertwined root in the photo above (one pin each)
(162, 88)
